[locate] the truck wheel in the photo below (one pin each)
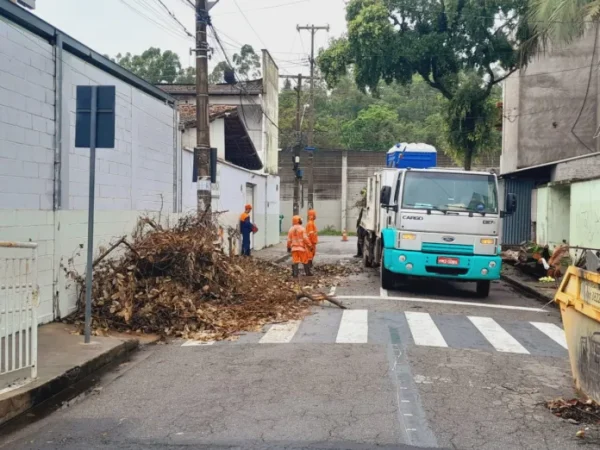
(387, 277)
(483, 288)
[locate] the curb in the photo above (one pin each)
(526, 288)
(13, 407)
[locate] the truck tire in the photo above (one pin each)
(387, 277)
(483, 289)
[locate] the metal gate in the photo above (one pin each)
(18, 315)
(517, 227)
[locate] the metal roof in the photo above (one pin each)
(43, 29)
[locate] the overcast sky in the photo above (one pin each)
(113, 26)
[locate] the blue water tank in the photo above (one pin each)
(415, 156)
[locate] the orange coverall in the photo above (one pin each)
(313, 233)
(298, 242)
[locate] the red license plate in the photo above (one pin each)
(447, 261)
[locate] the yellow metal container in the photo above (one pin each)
(579, 299)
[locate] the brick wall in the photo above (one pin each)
(26, 120)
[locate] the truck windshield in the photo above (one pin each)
(450, 192)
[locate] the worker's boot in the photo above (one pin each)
(307, 271)
(295, 270)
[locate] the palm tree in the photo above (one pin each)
(559, 22)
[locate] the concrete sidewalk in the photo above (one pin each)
(275, 253)
(541, 291)
(63, 360)
(330, 250)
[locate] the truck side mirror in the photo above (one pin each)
(385, 196)
(511, 203)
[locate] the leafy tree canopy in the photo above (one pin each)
(246, 64)
(462, 49)
(156, 66)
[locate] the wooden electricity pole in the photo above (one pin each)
(311, 114)
(202, 149)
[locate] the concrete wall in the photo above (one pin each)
(270, 104)
(26, 120)
(217, 137)
(138, 173)
(329, 184)
(541, 230)
(229, 198)
(140, 176)
(543, 102)
(585, 214)
(578, 169)
(569, 212)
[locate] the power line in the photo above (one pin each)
(163, 26)
(249, 24)
(263, 8)
(175, 18)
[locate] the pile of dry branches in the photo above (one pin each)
(178, 282)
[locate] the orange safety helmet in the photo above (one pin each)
(248, 207)
(296, 220)
(312, 214)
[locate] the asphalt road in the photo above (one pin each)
(426, 366)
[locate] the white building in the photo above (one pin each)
(244, 130)
(44, 178)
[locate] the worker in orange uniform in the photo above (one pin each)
(246, 229)
(313, 235)
(300, 246)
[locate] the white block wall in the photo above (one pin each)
(138, 177)
(26, 120)
(229, 198)
(138, 173)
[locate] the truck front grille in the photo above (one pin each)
(447, 249)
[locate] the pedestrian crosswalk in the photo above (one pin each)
(361, 326)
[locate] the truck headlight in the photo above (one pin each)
(492, 264)
(402, 258)
(409, 236)
(488, 241)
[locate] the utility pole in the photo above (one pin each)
(311, 116)
(298, 145)
(202, 150)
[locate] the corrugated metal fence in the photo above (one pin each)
(517, 228)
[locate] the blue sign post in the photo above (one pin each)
(94, 128)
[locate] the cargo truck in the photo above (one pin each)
(432, 222)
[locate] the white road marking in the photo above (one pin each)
(439, 301)
(405, 401)
(192, 343)
(332, 291)
(354, 327)
(383, 293)
(280, 333)
(500, 339)
(424, 330)
(552, 331)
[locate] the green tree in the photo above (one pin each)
(152, 65)
(186, 76)
(246, 64)
(374, 129)
(562, 21)
(461, 49)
